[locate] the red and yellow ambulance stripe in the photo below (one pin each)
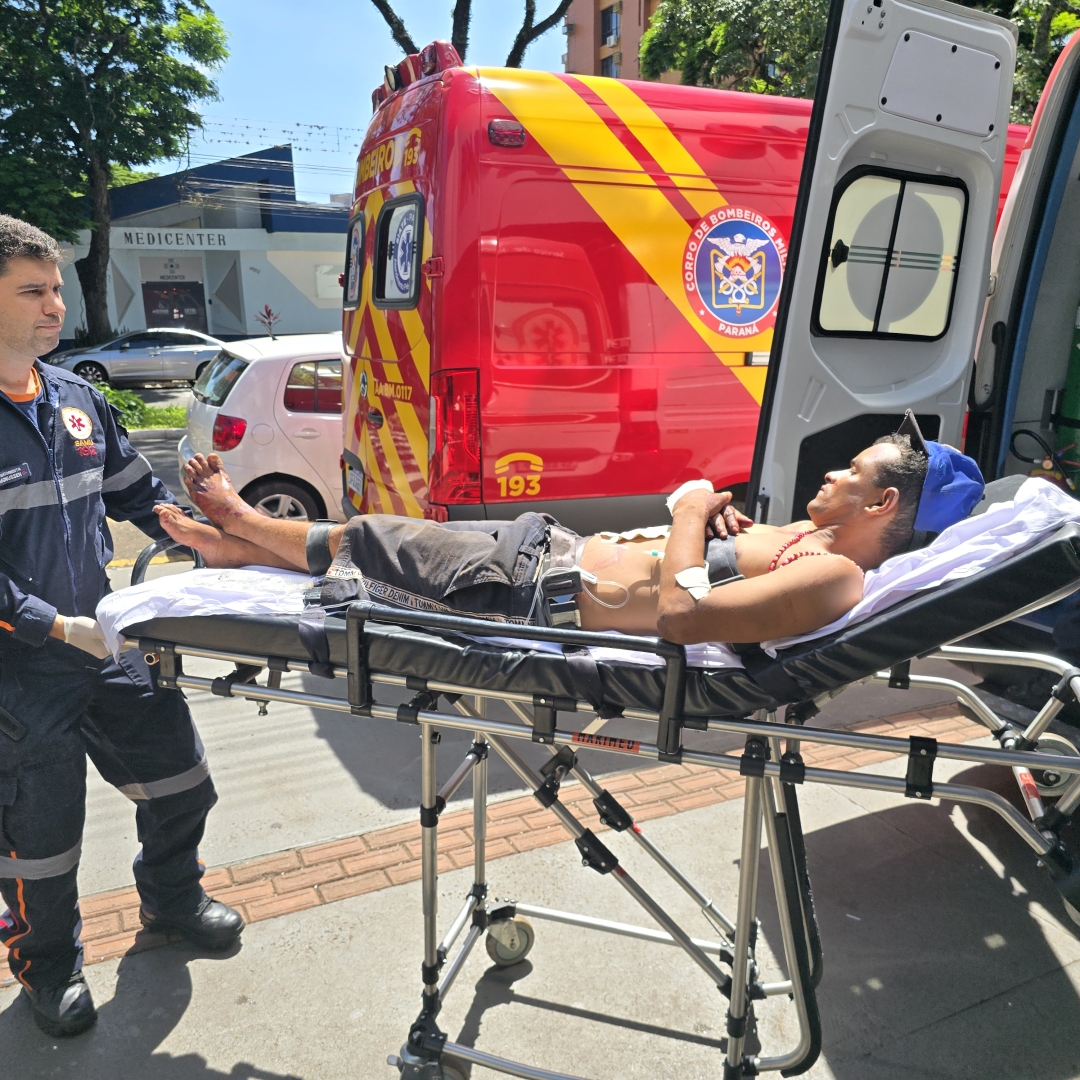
(640, 211)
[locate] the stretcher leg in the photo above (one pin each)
(745, 928)
(429, 849)
(717, 919)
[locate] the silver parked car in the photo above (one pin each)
(146, 356)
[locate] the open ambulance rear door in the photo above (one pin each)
(890, 249)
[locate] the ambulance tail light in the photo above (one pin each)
(228, 431)
(454, 431)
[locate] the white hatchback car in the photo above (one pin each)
(271, 407)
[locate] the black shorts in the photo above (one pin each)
(476, 568)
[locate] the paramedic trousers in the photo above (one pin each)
(142, 740)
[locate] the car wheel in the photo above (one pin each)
(91, 372)
(284, 500)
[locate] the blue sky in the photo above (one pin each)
(314, 64)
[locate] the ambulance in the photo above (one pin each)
(560, 291)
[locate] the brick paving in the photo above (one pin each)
(306, 877)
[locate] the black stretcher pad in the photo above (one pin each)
(939, 616)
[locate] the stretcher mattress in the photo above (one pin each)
(1040, 574)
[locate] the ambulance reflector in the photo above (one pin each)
(454, 475)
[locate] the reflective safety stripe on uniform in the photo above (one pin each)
(127, 476)
(39, 869)
(171, 785)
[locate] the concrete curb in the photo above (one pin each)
(299, 878)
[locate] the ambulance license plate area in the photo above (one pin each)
(355, 481)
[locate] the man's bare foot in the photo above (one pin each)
(205, 539)
(211, 490)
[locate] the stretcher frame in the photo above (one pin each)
(771, 764)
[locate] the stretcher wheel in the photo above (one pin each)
(454, 1068)
(509, 942)
(1052, 783)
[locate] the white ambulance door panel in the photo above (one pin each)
(888, 264)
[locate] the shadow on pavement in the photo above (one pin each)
(153, 991)
(944, 946)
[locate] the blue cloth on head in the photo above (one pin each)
(952, 487)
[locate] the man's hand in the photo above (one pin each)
(722, 519)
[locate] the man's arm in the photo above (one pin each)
(798, 598)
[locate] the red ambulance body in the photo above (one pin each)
(560, 290)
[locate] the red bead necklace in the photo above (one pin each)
(776, 563)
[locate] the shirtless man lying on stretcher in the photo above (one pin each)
(644, 582)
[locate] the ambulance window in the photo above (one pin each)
(399, 235)
(354, 263)
(892, 251)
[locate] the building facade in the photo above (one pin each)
(208, 248)
(603, 37)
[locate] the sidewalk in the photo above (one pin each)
(945, 953)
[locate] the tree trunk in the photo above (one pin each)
(93, 268)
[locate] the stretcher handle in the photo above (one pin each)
(365, 610)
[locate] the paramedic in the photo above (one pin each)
(647, 581)
(65, 463)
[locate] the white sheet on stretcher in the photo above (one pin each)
(966, 548)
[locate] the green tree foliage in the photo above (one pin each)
(774, 46)
(121, 175)
(89, 86)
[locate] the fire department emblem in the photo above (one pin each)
(733, 265)
(78, 424)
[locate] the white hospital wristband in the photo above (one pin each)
(682, 489)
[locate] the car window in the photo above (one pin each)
(139, 341)
(890, 261)
(218, 378)
(314, 386)
(173, 338)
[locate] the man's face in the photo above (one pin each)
(847, 492)
(31, 310)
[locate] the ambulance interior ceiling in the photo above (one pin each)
(1046, 358)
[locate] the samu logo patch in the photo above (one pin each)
(78, 424)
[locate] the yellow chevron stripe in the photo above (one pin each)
(658, 139)
(639, 214)
(397, 472)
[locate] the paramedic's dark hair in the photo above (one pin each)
(21, 240)
(906, 474)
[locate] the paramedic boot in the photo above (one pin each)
(213, 925)
(67, 1009)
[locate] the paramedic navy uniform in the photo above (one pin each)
(64, 463)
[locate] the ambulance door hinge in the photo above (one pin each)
(433, 267)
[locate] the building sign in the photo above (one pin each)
(167, 238)
(172, 289)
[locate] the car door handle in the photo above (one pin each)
(306, 433)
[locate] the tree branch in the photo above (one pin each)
(459, 34)
(397, 27)
(529, 33)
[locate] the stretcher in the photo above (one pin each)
(567, 695)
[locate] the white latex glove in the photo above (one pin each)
(683, 489)
(85, 634)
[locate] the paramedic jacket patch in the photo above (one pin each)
(56, 486)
